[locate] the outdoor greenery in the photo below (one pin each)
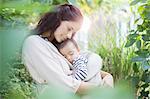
(127, 60)
(19, 84)
(124, 63)
(140, 37)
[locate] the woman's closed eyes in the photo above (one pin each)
(70, 29)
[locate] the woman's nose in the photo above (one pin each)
(69, 35)
(69, 58)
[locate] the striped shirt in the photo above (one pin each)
(80, 67)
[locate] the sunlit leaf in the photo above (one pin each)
(134, 2)
(141, 9)
(72, 1)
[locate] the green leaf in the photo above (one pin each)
(138, 44)
(145, 85)
(146, 37)
(72, 1)
(136, 20)
(133, 36)
(144, 94)
(132, 30)
(140, 28)
(145, 65)
(141, 9)
(135, 81)
(142, 53)
(134, 2)
(138, 59)
(135, 68)
(146, 77)
(130, 42)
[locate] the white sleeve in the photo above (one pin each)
(41, 64)
(94, 64)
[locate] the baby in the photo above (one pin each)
(84, 66)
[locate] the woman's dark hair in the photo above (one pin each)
(51, 20)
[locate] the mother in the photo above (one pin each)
(40, 55)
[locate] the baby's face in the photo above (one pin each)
(69, 51)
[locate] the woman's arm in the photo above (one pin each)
(84, 88)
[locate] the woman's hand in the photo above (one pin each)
(107, 79)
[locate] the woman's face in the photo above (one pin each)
(66, 30)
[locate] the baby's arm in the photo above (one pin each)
(80, 68)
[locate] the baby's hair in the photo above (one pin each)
(64, 43)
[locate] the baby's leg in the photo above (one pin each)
(107, 79)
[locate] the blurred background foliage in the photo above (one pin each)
(119, 32)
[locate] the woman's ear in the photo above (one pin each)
(78, 49)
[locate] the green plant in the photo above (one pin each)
(11, 13)
(140, 39)
(104, 41)
(116, 60)
(19, 84)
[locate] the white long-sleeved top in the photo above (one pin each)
(46, 65)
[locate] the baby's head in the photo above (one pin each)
(69, 49)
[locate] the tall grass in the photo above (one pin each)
(107, 39)
(116, 60)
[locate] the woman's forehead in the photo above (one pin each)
(76, 25)
(73, 24)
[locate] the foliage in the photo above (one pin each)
(96, 93)
(19, 84)
(103, 39)
(140, 38)
(116, 60)
(11, 13)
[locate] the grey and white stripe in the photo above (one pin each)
(80, 67)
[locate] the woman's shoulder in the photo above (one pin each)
(91, 55)
(32, 38)
(38, 43)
